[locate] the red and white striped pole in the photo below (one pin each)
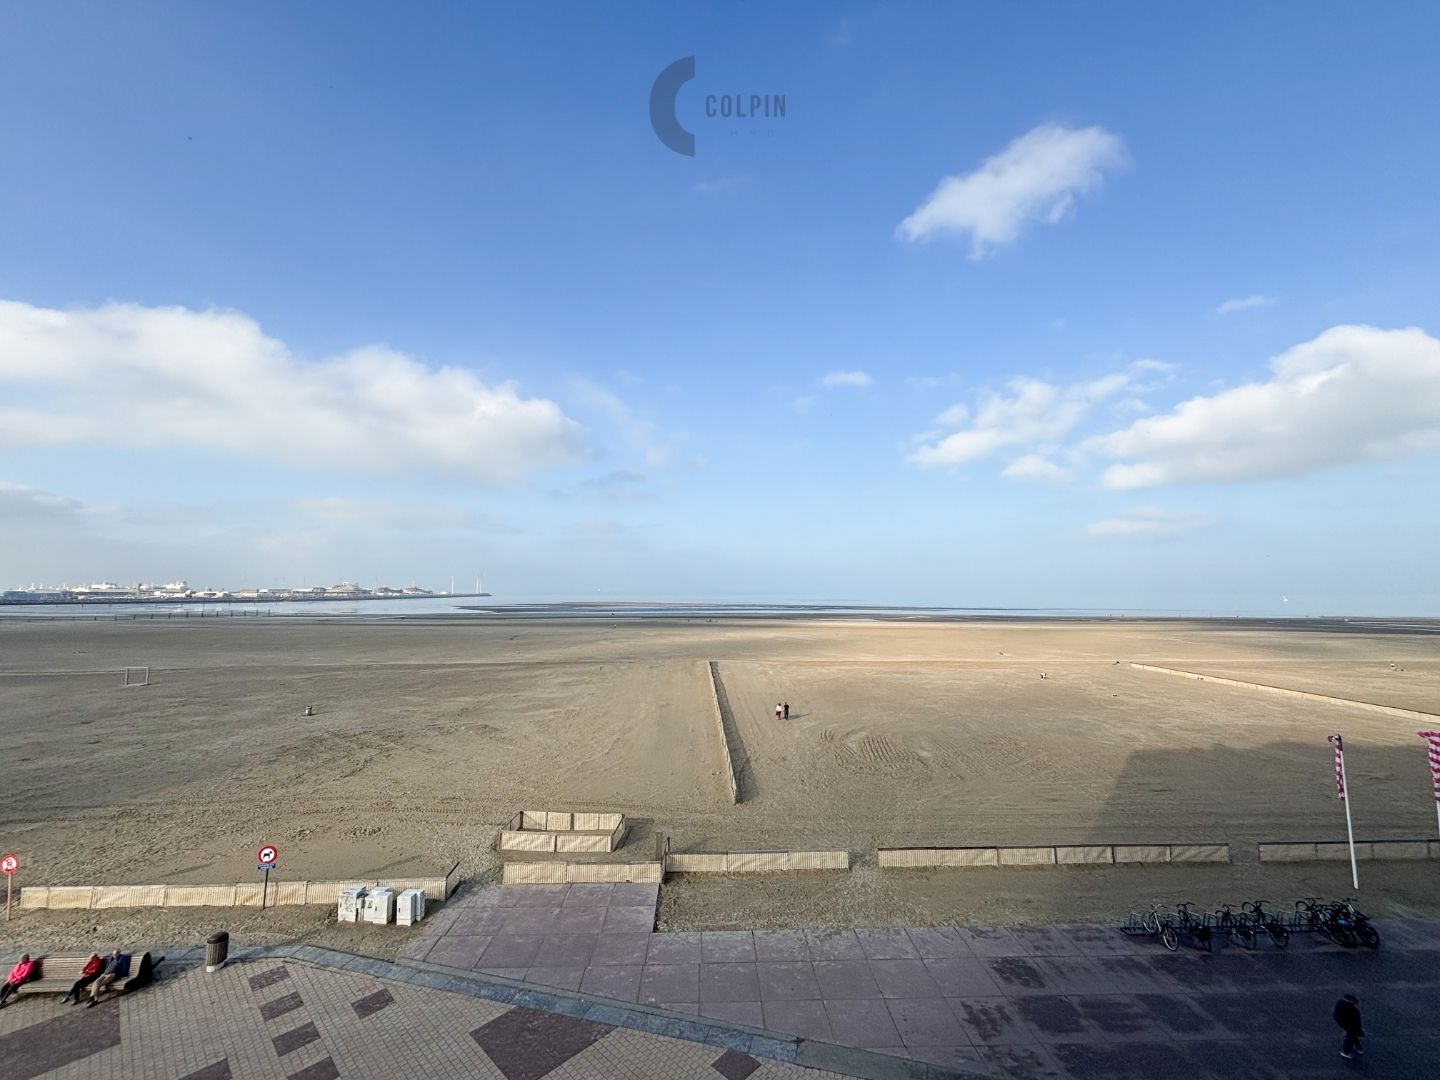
(1340, 791)
(1433, 738)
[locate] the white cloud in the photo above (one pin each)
(1036, 178)
(24, 505)
(657, 449)
(1036, 467)
(125, 375)
(1033, 413)
(1354, 394)
(1244, 303)
(857, 379)
(1147, 521)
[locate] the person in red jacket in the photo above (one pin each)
(88, 974)
(20, 974)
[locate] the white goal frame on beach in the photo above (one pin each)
(137, 676)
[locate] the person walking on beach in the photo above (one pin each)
(779, 710)
(1347, 1015)
(787, 710)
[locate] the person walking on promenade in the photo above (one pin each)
(1347, 1015)
(787, 710)
(20, 974)
(88, 974)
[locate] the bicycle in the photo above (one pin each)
(1328, 920)
(1237, 926)
(1351, 919)
(1271, 924)
(1197, 929)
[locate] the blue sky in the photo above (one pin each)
(351, 291)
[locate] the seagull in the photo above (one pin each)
(1043, 675)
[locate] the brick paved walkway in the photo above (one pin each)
(272, 1018)
(1043, 1003)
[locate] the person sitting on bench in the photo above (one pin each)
(117, 967)
(20, 974)
(88, 974)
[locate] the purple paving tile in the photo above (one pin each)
(526, 1045)
(510, 950)
(1134, 973)
(834, 945)
(927, 1022)
(370, 1004)
(734, 1065)
(459, 950)
(59, 1041)
(324, 1069)
(863, 1022)
(220, 1070)
(516, 973)
(1022, 1062)
(734, 1012)
(287, 1042)
(624, 949)
(1019, 975)
(1044, 941)
(628, 920)
(886, 945)
(579, 920)
(689, 1008)
(562, 978)
(269, 978)
(1076, 975)
(566, 950)
(670, 982)
(964, 1058)
(279, 1006)
(726, 946)
(780, 945)
(621, 982)
(844, 979)
(1120, 1015)
(991, 941)
(1179, 1015)
(903, 979)
(1096, 940)
(1117, 1061)
(479, 921)
(729, 982)
(1053, 1019)
(591, 895)
(531, 919)
(631, 894)
(807, 1019)
(673, 949)
(787, 980)
(940, 943)
(497, 896)
(991, 1021)
(958, 977)
(540, 895)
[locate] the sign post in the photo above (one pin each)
(8, 865)
(268, 856)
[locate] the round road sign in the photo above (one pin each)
(268, 854)
(9, 864)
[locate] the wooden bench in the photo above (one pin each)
(58, 974)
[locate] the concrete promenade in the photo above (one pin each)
(1041, 1003)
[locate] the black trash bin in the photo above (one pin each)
(217, 948)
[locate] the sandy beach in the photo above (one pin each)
(427, 734)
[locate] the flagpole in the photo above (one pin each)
(1342, 789)
(1350, 831)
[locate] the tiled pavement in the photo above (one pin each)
(1048, 1003)
(272, 1018)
